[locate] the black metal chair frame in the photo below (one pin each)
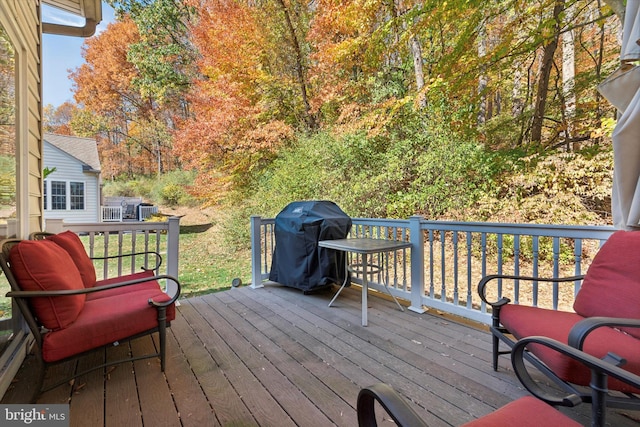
(21, 299)
(405, 416)
(577, 337)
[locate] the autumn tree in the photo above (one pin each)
(59, 119)
(127, 119)
(7, 96)
(163, 55)
(241, 106)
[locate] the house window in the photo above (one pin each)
(77, 195)
(64, 195)
(58, 195)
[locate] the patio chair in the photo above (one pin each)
(605, 324)
(526, 411)
(69, 319)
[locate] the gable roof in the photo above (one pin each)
(83, 149)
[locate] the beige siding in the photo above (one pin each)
(21, 19)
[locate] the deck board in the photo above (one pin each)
(276, 357)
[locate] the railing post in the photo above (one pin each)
(173, 250)
(54, 225)
(417, 263)
(256, 250)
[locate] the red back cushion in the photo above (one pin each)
(611, 287)
(43, 265)
(72, 244)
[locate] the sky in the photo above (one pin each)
(63, 53)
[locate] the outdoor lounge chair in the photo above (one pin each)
(605, 324)
(69, 316)
(524, 412)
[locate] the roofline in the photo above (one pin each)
(88, 30)
(91, 10)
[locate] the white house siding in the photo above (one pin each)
(69, 169)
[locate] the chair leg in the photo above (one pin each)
(496, 351)
(162, 335)
(40, 382)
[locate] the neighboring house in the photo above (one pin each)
(72, 190)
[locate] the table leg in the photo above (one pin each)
(346, 278)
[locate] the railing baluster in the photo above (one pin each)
(556, 271)
(105, 265)
(577, 271)
(516, 268)
(535, 273)
(431, 266)
(133, 250)
(455, 268)
(469, 269)
(499, 248)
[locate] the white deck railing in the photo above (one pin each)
(115, 213)
(447, 259)
(104, 239)
(111, 213)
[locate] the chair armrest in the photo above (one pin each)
(67, 292)
(599, 368)
(583, 328)
(393, 404)
(483, 284)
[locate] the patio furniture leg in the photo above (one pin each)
(162, 335)
(346, 278)
(496, 346)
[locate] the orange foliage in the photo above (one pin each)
(346, 52)
(103, 83)
(229, 122)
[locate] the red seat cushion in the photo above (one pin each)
(523, 321)
(151, 284)
(611, 287)
(104, 321)
(43, 265)
(73, 245)
(524, 412)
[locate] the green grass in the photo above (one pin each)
(206, 265)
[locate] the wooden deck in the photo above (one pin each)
(276, 357)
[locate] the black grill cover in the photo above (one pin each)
(297, 260)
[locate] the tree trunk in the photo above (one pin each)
(545, 72)
(299, 66)
(568, 77)
(416, 51)
(482, 80)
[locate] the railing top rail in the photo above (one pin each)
(121, 226)
(384, 222)
(553, 230)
